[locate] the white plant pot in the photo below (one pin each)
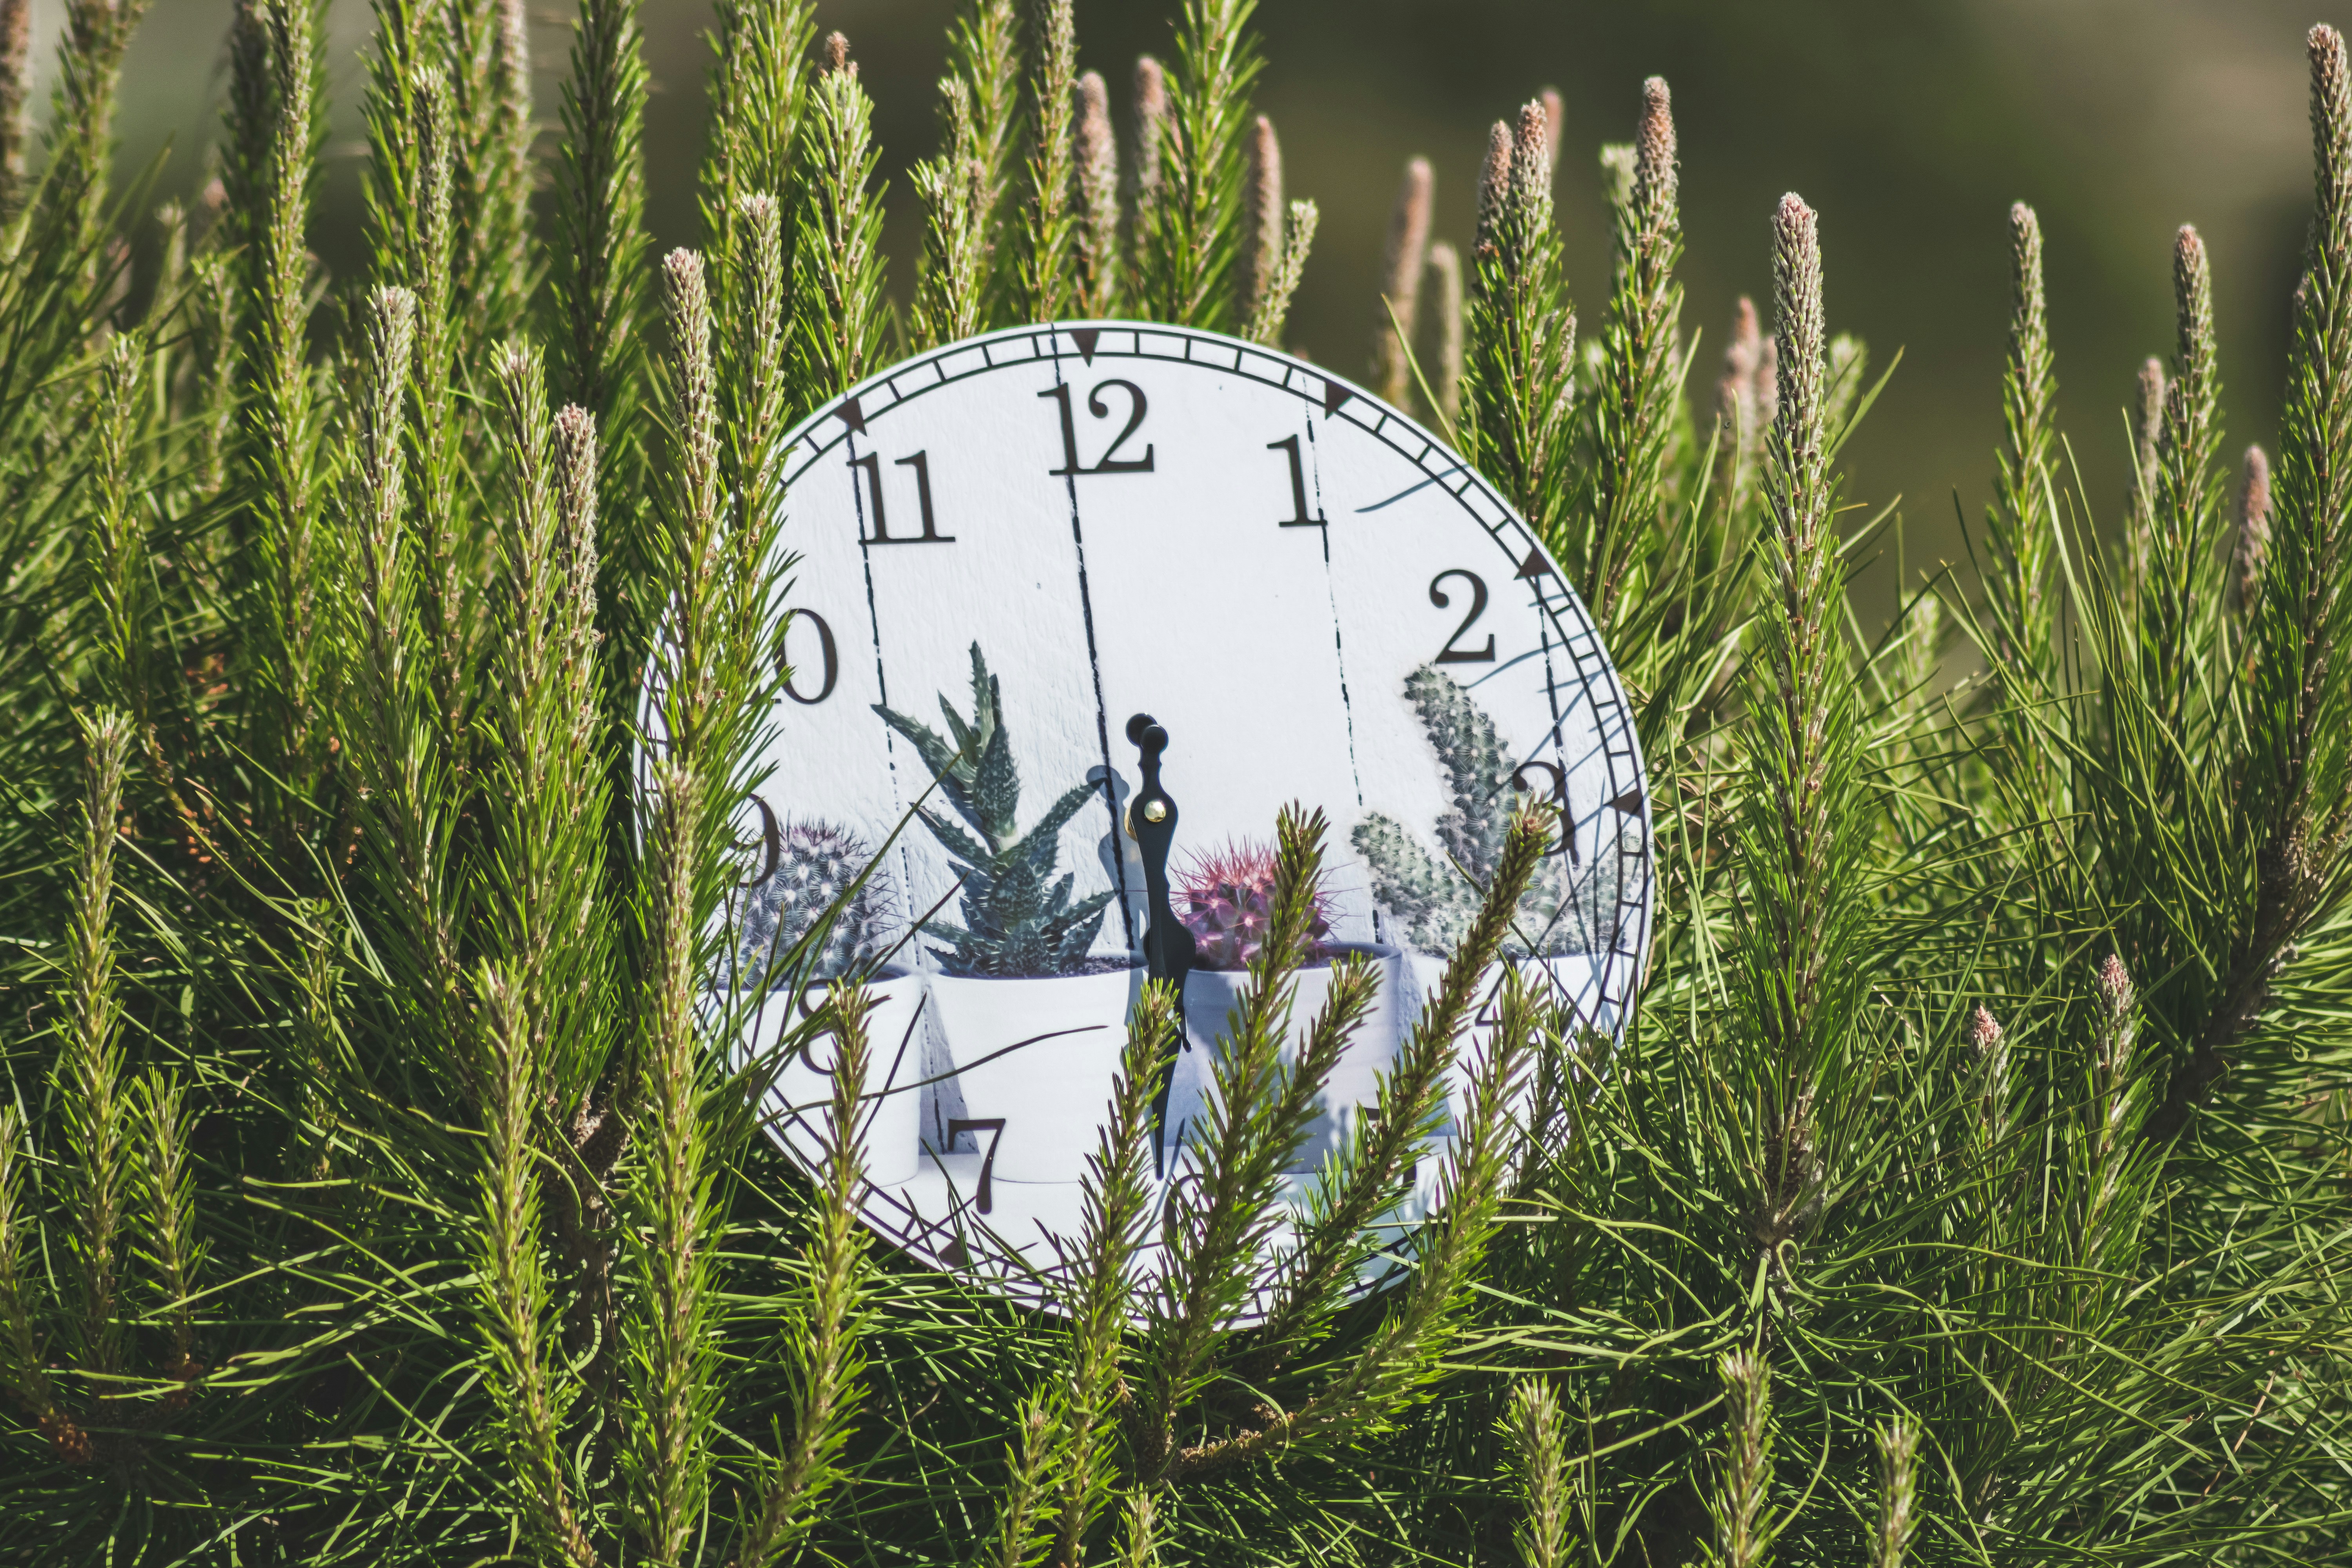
(1040, 1053)
(1210, 995)
(1565, 977)
(889, 1113)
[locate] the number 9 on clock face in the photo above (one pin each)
(1012, 544)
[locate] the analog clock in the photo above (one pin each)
(1004, 551)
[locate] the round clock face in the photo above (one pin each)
(1008, 548)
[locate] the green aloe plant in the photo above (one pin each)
(1018, 918)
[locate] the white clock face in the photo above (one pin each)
(1312, 595)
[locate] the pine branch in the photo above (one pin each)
(1445, 270)
(1516, 382)
(24, 1363)
(753, 388)
(117, 567)
(1331, 1240)
(671, 1329)
(1898, 1461)
(167, 1220)
(2250, 549)
(1535, 1433)
(1641, 377)
(492, 173)
(1025, 1515)
(394, 722)
(409, 37)
(102, 1160)
(2295, 797)
(951, 283)
(1800, 842)
(2180, 599)
(81, 127)
(423, 258)
(546, 780)
(1050, 227)
(697, 566)
(1401, 266)
(1190, 232)
(829, 1328)
(278, 119)
(214, 300)
(1299, 237)
(1115, 1204)
(1139, 1545)
(1095, 254)
(1737, 434)
(1147, 181)
(1259, 255)
(600, 190)
(520, 1364)
(758, 91)
(1398, 1361)
(837, 314)
(983, 54)
(1745, 1528)
(16, 95)
(2022, 527)
(1217, 1222)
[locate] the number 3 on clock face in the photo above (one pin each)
(1304, 587)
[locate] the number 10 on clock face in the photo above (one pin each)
(1141, 519)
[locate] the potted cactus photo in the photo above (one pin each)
(1225, 899)
(823, 912)
(1431, 899)
(1032, 1024)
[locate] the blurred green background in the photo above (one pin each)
(1909, 126)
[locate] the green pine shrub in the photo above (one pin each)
(379, 1176)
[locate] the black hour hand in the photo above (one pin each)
(1167, 946)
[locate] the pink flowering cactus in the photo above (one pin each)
(1225, 897)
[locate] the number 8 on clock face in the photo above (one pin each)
(1019, 540)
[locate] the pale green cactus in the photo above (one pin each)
(1568, 908)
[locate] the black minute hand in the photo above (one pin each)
(1167, 946)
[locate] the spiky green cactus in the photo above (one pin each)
(1434, 898)
(1018, 920)
(814, 890)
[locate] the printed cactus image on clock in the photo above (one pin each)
(823, 889)
(1569, 908)
(1225, 899)
(1018, 918)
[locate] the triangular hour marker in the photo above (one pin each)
(852, 415)
(1085, 338)
(1630, 803)
(954, 1255)
(1334, 395)
(1535, 565)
